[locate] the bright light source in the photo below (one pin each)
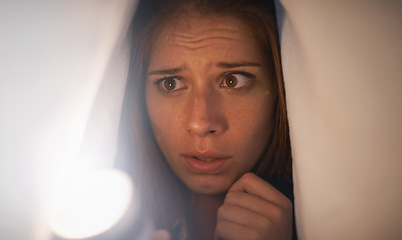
(90, 205)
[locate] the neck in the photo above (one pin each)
(203, 209)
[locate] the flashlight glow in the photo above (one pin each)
(90, 205)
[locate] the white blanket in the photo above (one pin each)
(343, 76)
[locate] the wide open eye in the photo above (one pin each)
(170, 84)
(236, 79)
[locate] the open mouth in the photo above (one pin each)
(205, 159)
(207, 162)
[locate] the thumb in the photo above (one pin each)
(161, 234)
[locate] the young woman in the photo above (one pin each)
(205, 108)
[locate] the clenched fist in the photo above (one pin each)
(254, 209)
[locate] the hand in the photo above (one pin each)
(161, 234)
(254, 209)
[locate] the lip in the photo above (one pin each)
(215, 162)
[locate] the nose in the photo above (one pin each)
(205, 116)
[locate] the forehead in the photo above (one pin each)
(207, 35)
(196, 23)
(190, 25)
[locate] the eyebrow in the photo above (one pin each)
(237, 64)
(225, 65)
(171, 71)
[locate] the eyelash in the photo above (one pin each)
(165, 91)
(250, 77)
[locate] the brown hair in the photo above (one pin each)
(161, 189)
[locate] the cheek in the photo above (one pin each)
(154, 113)
(164, 122)
(253, 116)
(158, 119)
(254, 127)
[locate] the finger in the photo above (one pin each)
(235, 222)
(243, 216)
(256, 204)
(161, 234)
(251, 183)
(228, 230)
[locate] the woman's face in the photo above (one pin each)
(208, 98)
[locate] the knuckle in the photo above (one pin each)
(284, 208)
(220, 226)
(265, 223)
(230, 195)
(280, 214)
(287, 204)
(233, 197)
(248, 175)
(221, 210)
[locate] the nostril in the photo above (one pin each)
(202, 132)
(204, 120)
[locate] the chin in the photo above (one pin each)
(208, 185)
(207, 190)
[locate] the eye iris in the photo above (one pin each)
(231, 81)
(169, 84)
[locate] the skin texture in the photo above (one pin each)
(253, 209)
(207, 95)
(201, 115)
